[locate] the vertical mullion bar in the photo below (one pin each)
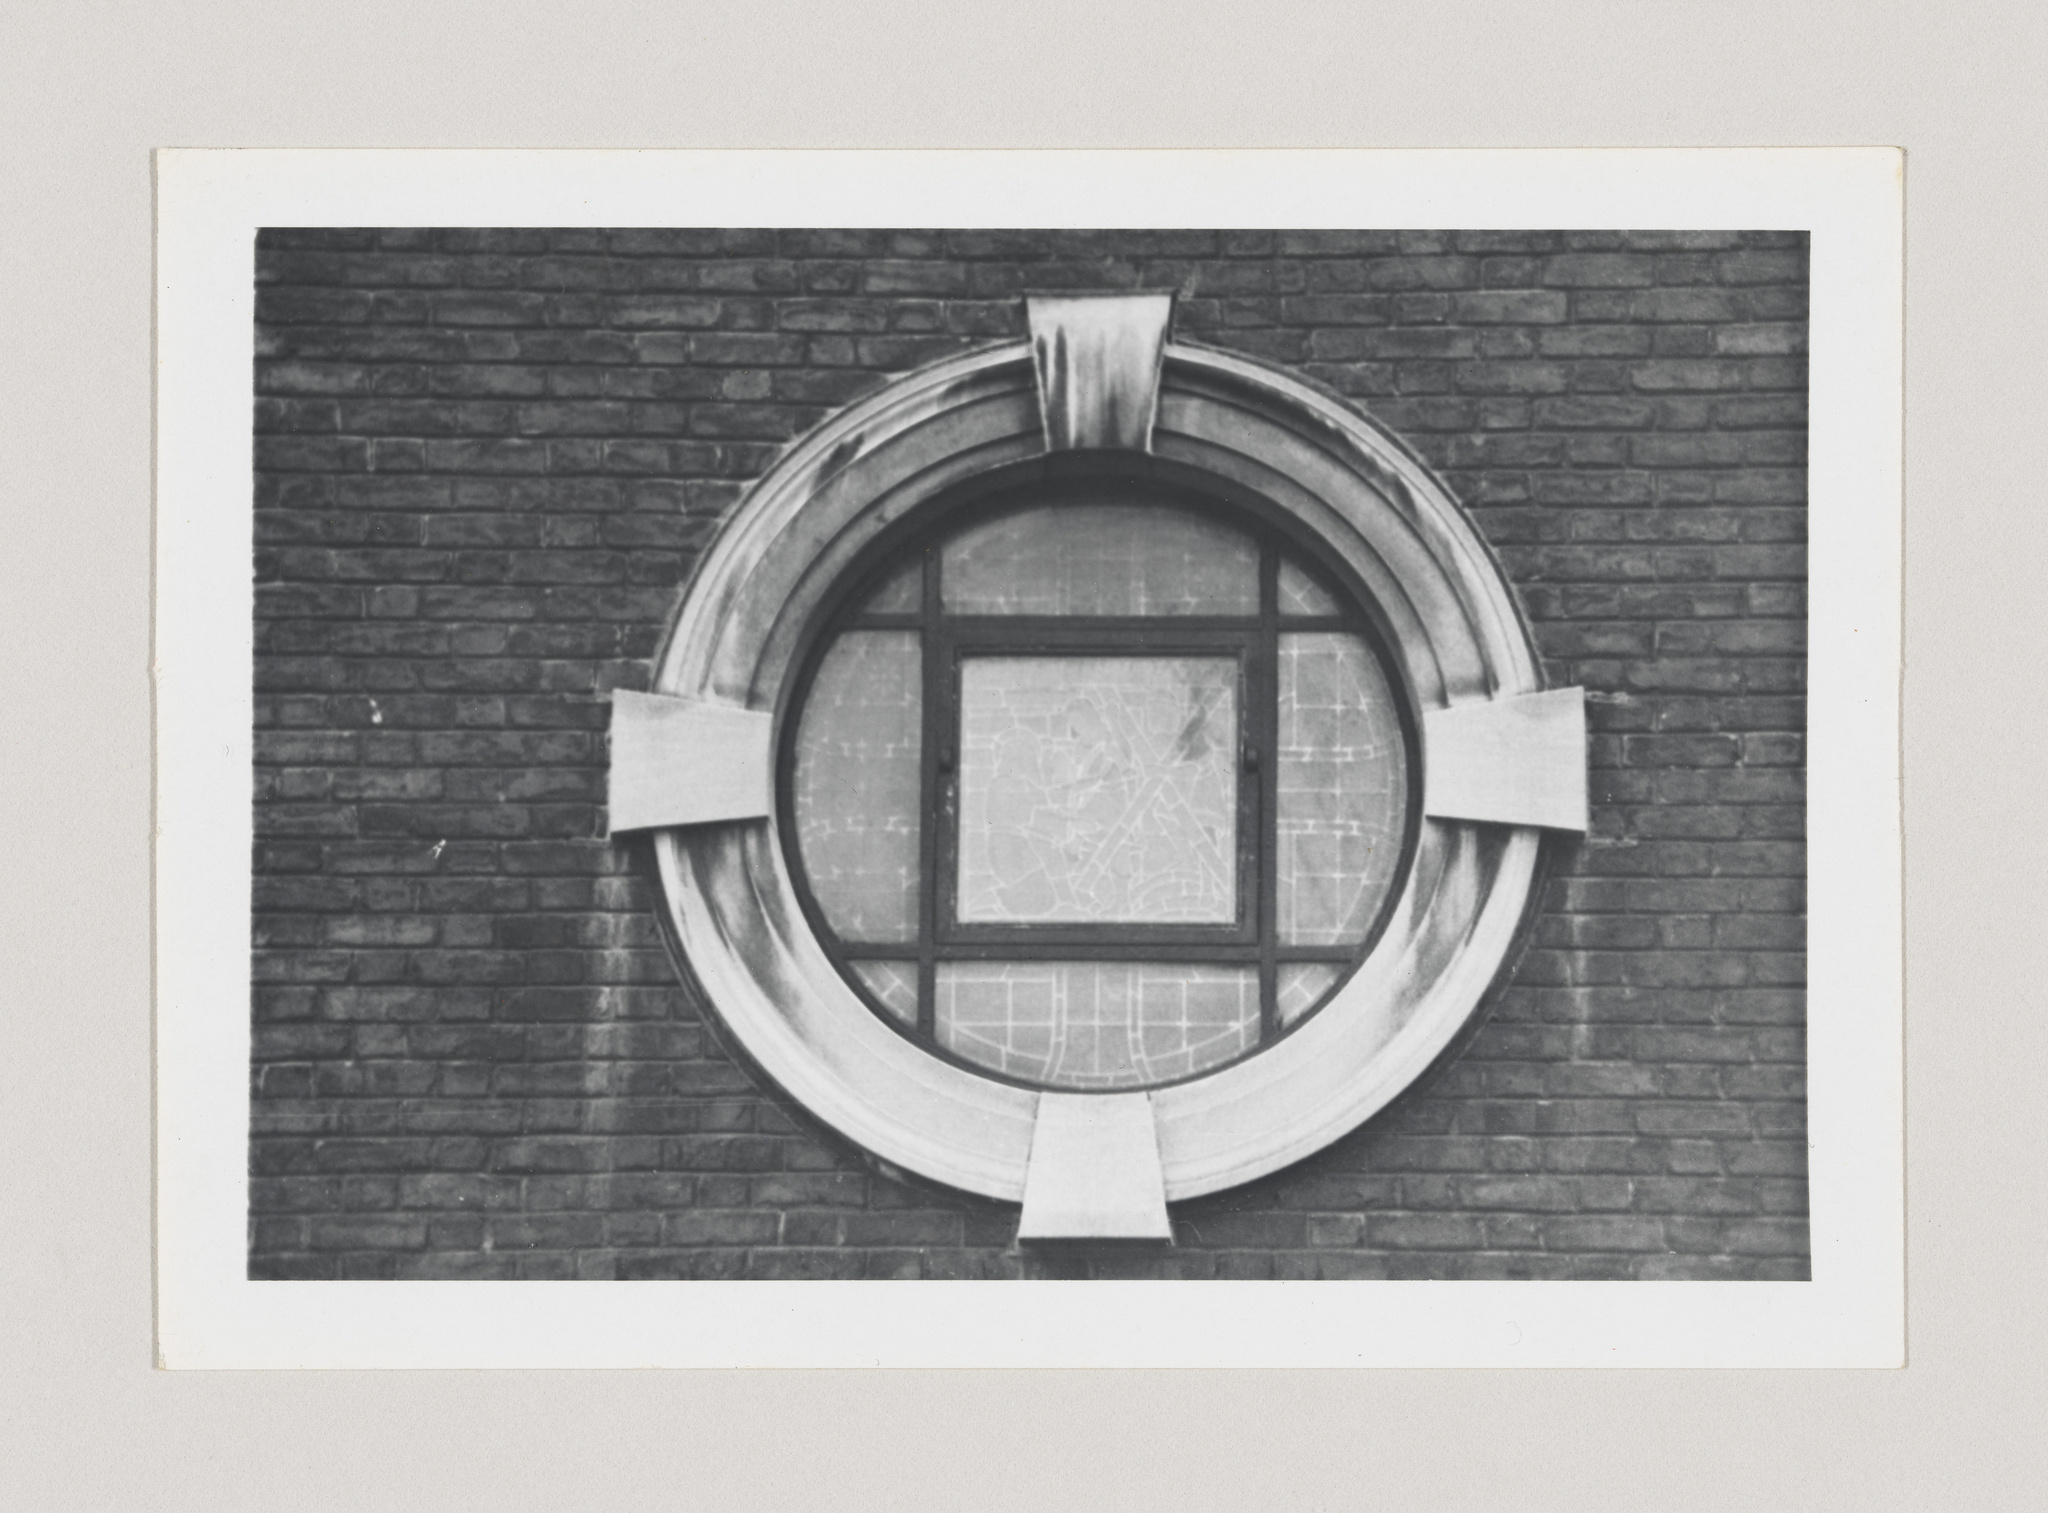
(1267, 747)
(937, 706)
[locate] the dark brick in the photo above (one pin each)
(1424, 1232)
(1599, 270)
(1532, 306)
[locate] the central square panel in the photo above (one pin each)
(1098, 790)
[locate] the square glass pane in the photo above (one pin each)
(859, 752)
(1096, 1024)
(1098, 789)
(1343, 781)
(1101, 559)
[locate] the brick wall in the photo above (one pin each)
(485, 462)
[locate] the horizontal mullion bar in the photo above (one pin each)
(1163, 951)
(1316, 622)
(980, 626)
(1080, 645)
(1101, 950)
(977, 626)
(1163, 938)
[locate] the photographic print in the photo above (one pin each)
(1165, 733)
(1208, 753)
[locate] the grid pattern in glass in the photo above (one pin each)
(1343, 791)
(857, 790)
(1300, 986)
(1302, 595)
(1093, 1024)
(894, 983)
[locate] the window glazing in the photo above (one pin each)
(1100, 790)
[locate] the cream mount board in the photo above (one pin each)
(1849, 1314)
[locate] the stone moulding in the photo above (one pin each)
(1368, 510)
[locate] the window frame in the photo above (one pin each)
(1370, 512)
(947, 638)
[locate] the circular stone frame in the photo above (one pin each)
(1345, 487)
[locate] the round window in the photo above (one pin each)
(1096, 787)
(1096, 771)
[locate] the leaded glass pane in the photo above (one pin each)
(1096, 1024)
(902, 593)
(1101, 559)
(1343, 784)
(1302, 595)
(1098, 789)
(894, 983)
(1299, 986)
(858, 756)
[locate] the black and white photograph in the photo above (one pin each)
(1011, 754)
(1220, 752)
(1156, 757)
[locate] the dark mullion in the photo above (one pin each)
(1051, 638)
(1166, 627)
(1251, 860)
(1099, 950)
(1342, 955)
(1319, 622)
(1131, 936)
(937, 710)
(1268, 752)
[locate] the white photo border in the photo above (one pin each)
(209, 1315)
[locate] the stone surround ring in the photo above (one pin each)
(867, 528)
